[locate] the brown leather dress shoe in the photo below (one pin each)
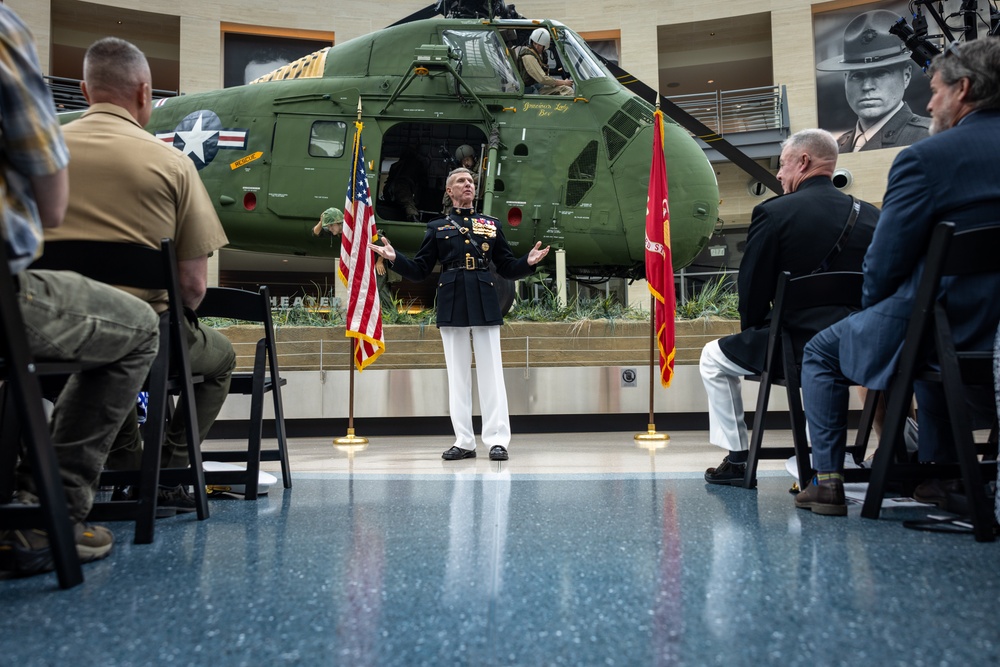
(823, 498)
(936, 491)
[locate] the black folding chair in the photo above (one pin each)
(24, 421)
(929, 354)
(251, 307)
(819, 290)
(147, 268)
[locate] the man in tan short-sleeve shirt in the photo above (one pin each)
(128, 186)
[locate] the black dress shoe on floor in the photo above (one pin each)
(457, 453)
(498, 453)
(726, 473)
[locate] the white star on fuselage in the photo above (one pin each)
(195, 138)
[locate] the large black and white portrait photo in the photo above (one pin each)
(247, 57)
(869, 92)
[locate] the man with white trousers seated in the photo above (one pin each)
(812, 227)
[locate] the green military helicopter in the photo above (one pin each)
(571, 172)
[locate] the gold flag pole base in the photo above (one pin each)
(350, 440)
(651, 437)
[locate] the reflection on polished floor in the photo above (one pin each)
(581, 550)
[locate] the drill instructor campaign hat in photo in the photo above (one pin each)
(868, 44)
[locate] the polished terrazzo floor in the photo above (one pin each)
(581, 550)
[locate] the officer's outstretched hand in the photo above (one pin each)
(536, 254)
(385, 250)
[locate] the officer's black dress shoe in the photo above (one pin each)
(498, 453)
(457, 453)
(726, 473)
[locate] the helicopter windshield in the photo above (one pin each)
(579, 56)
(484, 65)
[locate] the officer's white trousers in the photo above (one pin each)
(489, 372)
(723, 378)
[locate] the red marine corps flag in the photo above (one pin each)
(357, 268)
(659, 269)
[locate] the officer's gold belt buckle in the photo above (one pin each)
(470, 263)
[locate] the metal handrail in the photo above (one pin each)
(741, 110)
(67, 96)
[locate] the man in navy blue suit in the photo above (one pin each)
(953, 175)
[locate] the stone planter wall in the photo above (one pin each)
(525, 344)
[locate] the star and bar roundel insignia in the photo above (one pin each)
(200, 136)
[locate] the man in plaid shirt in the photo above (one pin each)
(67, 317)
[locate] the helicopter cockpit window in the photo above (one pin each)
(484, 65)
(581, 59)
(327, 138)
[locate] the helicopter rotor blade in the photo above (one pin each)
(430, 11)
(696, 127)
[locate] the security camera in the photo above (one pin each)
(842, 179)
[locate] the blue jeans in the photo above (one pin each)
(71, 318)
(825, 396)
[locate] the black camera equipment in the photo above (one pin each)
(921, 50)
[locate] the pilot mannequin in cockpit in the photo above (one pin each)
(535, 72)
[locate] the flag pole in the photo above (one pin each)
(652, 440)
(352, 442)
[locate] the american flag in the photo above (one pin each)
(357, 268)
(659, 267)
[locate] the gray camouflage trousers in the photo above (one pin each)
(71, 318)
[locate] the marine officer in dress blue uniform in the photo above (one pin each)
(468, 244)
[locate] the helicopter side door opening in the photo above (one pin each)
(414, 165)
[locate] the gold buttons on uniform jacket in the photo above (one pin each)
(466, 240)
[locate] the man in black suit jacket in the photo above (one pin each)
(795, 232)
(954, 176)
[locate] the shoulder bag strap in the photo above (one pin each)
(824, 266)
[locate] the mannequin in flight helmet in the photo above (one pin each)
(465, 156)
(534, 70)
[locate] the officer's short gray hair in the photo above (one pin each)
(113, 68)
(454, 173)
(817, 143)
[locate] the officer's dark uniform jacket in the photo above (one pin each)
(794, 233)
(903, 129)
(466, 295)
